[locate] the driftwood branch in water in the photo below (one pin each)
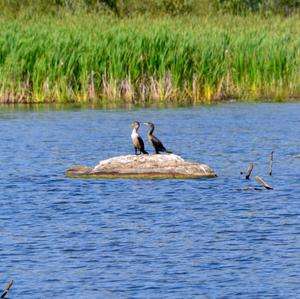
(251, 189)
(7, 288)
(262, 182)
(249, 170)
(271, 163)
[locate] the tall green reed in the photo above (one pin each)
(81, 58)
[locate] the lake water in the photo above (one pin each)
(200, 238)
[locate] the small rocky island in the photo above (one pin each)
(160, 166)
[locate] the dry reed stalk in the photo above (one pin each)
(168, 88)
(91, 87)
(143, 89)
(126, 90)
(195, 88)
(109, 88)
(154, 88)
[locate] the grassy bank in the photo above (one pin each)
(81, 58)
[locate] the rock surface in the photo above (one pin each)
(143, 166)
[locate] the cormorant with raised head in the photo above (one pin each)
(156, 143)
(137, 139)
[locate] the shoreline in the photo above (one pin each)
(105, 103)
(149, 102)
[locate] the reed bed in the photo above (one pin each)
(86, 58)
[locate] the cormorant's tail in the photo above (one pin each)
(144, 152)
(168, 152)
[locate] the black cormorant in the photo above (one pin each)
(156, 143)
(137, 139)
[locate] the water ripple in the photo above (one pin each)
(150, 238)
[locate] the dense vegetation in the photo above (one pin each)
(79, 50)
(131, 7)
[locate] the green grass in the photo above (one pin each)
(92, 57)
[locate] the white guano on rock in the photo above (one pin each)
(143, 166)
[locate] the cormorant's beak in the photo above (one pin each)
(145, 124)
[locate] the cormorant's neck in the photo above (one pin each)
(135, 129)
(151, 130)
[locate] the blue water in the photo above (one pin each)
(201, 238)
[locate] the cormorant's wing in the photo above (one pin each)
(141, 143)
(157, 144)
